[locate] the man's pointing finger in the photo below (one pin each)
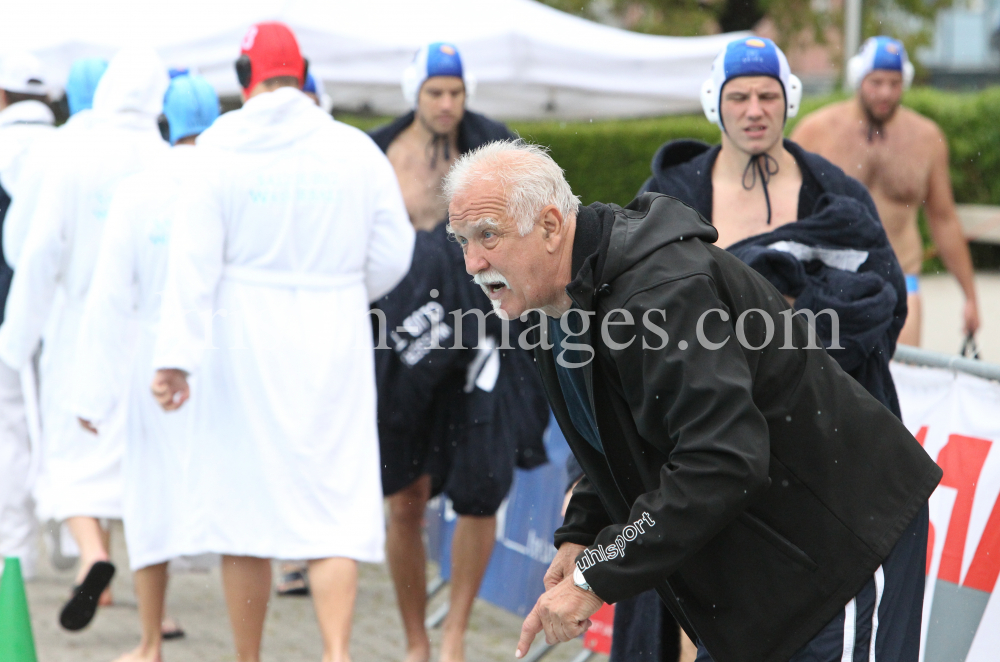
(532, 626)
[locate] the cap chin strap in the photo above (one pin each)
(856, 72)
(767, 166)
(711, 98)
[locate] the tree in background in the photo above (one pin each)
(794, 21)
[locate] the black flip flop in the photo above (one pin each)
(80, 610)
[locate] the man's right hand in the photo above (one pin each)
(170, 387)
(563, 564)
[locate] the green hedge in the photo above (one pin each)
(608, 160)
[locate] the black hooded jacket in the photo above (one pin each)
(745, 477)
(837, 216)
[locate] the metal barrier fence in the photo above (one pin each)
(928, 359)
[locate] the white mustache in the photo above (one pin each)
(489, 277)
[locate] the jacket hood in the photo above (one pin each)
(610, 239)
(268, 121)
(27, 112)
(649, 223)
(135, 82)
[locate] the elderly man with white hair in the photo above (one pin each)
(778, 509)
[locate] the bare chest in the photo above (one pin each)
(738, 213)
(420, 176)
(894, 166)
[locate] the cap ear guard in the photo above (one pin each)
(244, 71)
(908, 74)
(710, 102)
(411, 83)
(793, 96)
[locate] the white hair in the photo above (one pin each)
(529, 177)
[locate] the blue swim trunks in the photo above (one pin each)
(912, 284)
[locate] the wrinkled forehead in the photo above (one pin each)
(481, 203)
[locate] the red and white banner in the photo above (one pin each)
(957, 419)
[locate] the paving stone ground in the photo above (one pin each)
(290, 634)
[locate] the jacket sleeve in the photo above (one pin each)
(585, 516)
(694, 404)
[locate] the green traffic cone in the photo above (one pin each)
(16, 641)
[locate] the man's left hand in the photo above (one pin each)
(564, 613)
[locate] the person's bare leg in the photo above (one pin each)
(106, 600)
(471, 548)
(404, 548)
(246, 581)
(151, 591)
(334, 583)
(89, 537)
(910, 335)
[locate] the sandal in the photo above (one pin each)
(80, 610)
(295, 582)
(171, 629)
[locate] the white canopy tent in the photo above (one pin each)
(531, 61)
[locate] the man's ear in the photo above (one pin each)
(552, 222)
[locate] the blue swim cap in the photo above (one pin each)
(83, 78)
(437, 59)
(191, 105)
(879, 53)
(751, 56)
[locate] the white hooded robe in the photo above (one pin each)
(127, 287)
(22, 125)
(297, 225)
(80, 473)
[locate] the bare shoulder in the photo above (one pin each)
(919, 126)
(819, 122)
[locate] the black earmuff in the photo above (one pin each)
(244, 71)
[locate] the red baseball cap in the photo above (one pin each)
(273, 51)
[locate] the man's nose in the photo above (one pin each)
(755, 109)
(475, 262)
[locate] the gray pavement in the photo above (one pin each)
(290, 634)
(941, 328)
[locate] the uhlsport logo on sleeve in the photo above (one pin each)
(600, 553)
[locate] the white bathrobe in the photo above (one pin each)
(80, 472)
(126, 289)
(22, 125)
(297, 225)
(26, 181)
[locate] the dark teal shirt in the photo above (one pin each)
(571, 381)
